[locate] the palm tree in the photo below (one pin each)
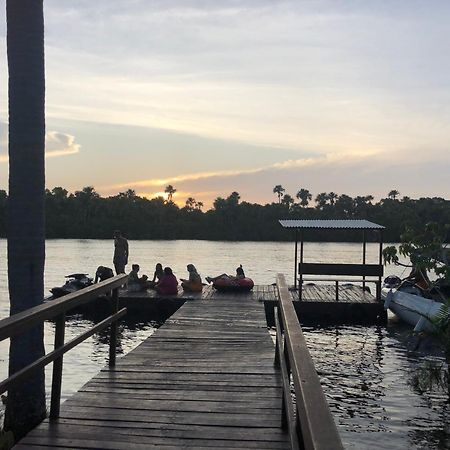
(321, 199)
(393, 194)
(278, 189)
(288, 201)
(304, 196)
(169, 190)
(25, 406)
(332, 196)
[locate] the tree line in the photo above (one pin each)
(86, 214)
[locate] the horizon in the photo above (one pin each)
(214, 98)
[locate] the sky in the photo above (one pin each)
(219, 96)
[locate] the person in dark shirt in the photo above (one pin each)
(103, 273)
(157, 276)
(120, 258)
(135, 282)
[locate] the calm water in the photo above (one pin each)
(366, 371)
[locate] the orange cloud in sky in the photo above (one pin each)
(289, 164)
(189, 182)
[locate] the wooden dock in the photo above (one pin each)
(205, 379)
(318, 305)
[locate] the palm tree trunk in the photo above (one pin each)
(26, 226)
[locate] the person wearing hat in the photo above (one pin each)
(120, 258)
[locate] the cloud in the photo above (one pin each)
(352, 173)
(332, 158)
(56, 144)
(60, 144)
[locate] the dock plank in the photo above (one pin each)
(205, 379)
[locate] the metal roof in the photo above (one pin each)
(331, 224)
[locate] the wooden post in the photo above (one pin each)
(113, 336)
(55, 400)
(296, 259)
(276, 361)
(284, 406)
(380, 261)
(364, 257)
(300, 287)
(337, 290)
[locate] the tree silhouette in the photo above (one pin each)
(287, 200)
(304, 196)
(26, 220)
(169, 190)
(393, 194)
(192, 205)
(321, 200)
(332, 197)
(279, 190)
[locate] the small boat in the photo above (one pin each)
(407, 301)
(232, 284)
(75, 282)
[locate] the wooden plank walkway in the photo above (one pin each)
(348, 293)
(204, 380)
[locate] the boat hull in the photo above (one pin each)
(414, 309)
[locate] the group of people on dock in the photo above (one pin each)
(164, 280)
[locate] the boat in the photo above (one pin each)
(74, 282)
(408, 302)
(231, 284)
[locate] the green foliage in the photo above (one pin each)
(425, 248)
(85, 214)
(427, 251)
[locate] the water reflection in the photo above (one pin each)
(366, 374)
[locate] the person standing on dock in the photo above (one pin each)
(120, 259)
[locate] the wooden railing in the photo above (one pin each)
(308, 419)
(18, 323)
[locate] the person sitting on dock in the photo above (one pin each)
(194, 283)
(157, 276)
(136, 283)
(103, 273)
(239, 275)
(168, 285)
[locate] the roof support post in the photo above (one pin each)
(380, 261)
(364, 257)
(296, 258)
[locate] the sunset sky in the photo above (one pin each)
(221, 96)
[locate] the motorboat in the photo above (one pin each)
(74, 282)
(410, 304)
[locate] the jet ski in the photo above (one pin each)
(74, 282)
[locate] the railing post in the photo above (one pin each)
(276, 361)
(337, 290)
(284, 415)
(55, 400)
(113, 336)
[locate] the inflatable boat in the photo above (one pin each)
(233, 285)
